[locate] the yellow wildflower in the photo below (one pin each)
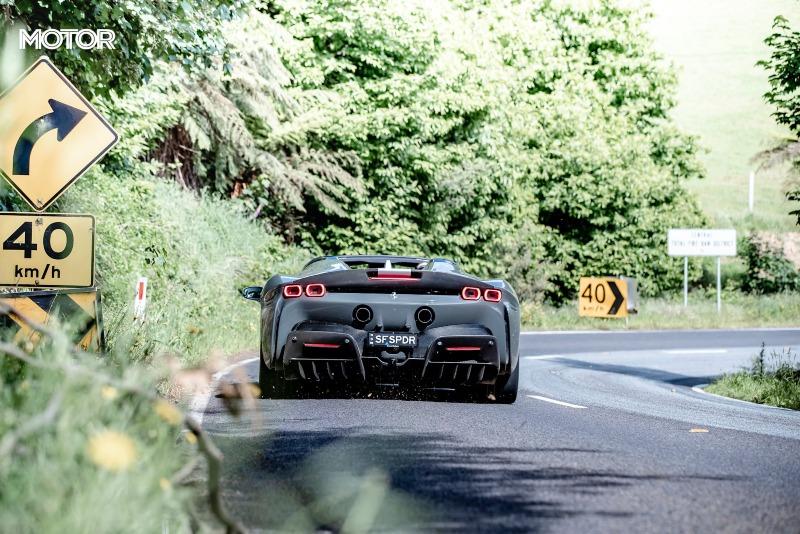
(165, 484)
(168, 412)
(112, 450)
(109, 392)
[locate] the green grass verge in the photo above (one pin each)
(197, 252)
(738, 310)
(773, 380)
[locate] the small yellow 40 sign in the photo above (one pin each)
(602, 297)
(44, 250)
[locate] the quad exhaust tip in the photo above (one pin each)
(362, 314)
(424, 316)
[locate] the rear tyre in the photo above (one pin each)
(272, 383)
(507, 394)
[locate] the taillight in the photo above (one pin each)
(315, 290)
(292, 291)
(470, 293)
(492, 295)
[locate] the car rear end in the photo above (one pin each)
(394, 327)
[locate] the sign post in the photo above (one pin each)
(701, 242)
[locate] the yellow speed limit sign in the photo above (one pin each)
(603, 297)
(43, 250)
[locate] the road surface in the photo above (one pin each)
(608, 435)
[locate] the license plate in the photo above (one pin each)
(391, 339)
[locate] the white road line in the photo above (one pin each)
(666, 331)
(695, 351)
(560, 403)
(199, 403)
(542, 357)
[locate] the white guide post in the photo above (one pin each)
(719, 287)
(685, 281)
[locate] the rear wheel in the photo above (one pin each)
(507, 393)
(273, 384)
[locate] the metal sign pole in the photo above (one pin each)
(719, 287)
(685, 281)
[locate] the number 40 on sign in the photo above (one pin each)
(44, 250)
(602, 297)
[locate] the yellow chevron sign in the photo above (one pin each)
(46, 250)
(602, 297)
(78, 310)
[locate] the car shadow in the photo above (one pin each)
(330, 480)
(640, 372)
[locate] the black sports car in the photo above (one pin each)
(388, 320)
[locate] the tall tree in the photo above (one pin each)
(784, 93)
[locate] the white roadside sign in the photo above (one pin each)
(700, 242)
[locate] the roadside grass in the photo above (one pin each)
(738, 310)
(715, 46)
(772, 379)
(197, 251)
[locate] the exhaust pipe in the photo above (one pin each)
(362, 314)
(424, 316)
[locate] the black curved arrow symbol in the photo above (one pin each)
(618, 298)
(63, 119)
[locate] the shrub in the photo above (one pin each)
(767, 268)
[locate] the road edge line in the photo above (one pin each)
(699, 388)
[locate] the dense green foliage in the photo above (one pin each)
(784, 93)
(186, 32)
(767, 268)
(528, 141)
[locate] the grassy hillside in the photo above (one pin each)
(715, 44)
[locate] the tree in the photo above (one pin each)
(186, 32)
(490, 131)
(784, 93)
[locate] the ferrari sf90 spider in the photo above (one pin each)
(388, 320)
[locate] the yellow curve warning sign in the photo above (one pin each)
(49, 134)
(46, 250)
(602, 297)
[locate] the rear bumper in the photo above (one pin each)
(448, 356)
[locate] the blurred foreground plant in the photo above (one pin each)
(90, 445)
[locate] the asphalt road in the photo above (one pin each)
(607, 436)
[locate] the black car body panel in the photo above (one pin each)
(443, 340)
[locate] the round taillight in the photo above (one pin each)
(292, 291)
(470, 293)
(492, 295)
(315, 290)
